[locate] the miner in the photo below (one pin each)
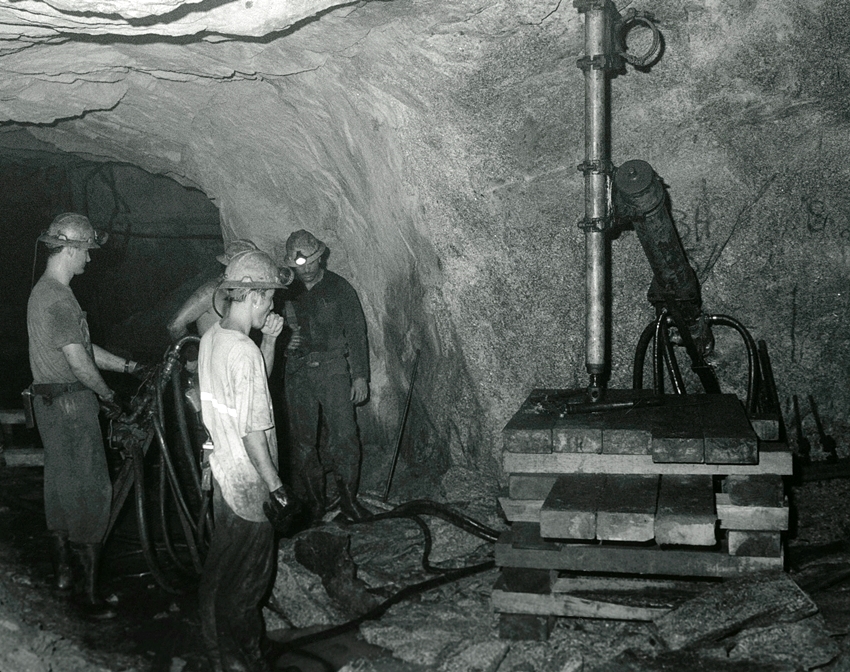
(327, 368)
(250, 502)
(67, 385)
(200, 309)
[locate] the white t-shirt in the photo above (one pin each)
(235, 401)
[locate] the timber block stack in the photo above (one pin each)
(677, 487)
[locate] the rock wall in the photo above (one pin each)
(434, 146)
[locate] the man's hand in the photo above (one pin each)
(110, 407)
(359, 390)
(272, 326)
(142, 371)
(282, 509)
(295, 340)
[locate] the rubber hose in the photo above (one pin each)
(141, 519)
(163, 519)
(182, 509)
(752, 357)
(431, 508)
(183, 427)
(640, 355)
(276, 649)
(670, 360)
(172, 473)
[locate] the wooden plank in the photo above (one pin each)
(685, 514)
(529, 430)
(777, 461)
(753, 503)
(521, 510)
(761, 599)
(569, 511)
(626, 510)
(766, 518)
(569, 605)
(578, 584)
(759, 490)
(23, 457)
(649, 560)
(754, 543)
(729, 438)
(578, 434)
(766, 426)
(530, 486)
(677, 431)
(12, 416)
(524, 626)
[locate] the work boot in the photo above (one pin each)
(60, 555)
(349, 505)
(93, 605)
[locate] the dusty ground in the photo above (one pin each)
(41, 631)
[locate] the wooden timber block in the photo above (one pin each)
(677, 431)
(728, 436)
(626, 510)
(521, 510)
(23, 457)
(766, 426)
(756, 490)
(527, 536)
(529, 430)
(578, 433)
(618, 559)
(753, 503)
(773, 459)
(754, 543)
(576, 583)
(530, 486)
(569, 511)
(760, 599)
(519, 624)
(765, 518)
(561, 604)
(685, 514)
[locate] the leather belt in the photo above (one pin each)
(49, 391)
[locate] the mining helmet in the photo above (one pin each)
(234, 247)
(73, 230)
(302, 247)
(251, 269)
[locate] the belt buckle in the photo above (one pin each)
(313, 365)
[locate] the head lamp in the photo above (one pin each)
(300, 260)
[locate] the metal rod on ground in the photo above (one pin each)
(401, 425)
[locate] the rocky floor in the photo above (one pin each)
(450, 628)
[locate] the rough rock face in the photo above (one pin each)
(433, 146)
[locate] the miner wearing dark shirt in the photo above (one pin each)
(327, 368)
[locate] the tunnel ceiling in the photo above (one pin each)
(434, 147)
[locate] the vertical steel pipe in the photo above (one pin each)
(599, 59)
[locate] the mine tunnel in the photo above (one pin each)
(601, 251)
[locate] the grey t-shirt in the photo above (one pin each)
(54, 320)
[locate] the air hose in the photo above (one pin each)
(412, 510)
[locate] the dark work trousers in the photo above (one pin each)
(328, 386)
(237, 574)
(77, 487)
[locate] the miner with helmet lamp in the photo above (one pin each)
(327, 369)
(67, 393)
(250, 502)
(203, 307)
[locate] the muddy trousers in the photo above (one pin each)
(328, 387)
(236, 578)
(77, 487)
